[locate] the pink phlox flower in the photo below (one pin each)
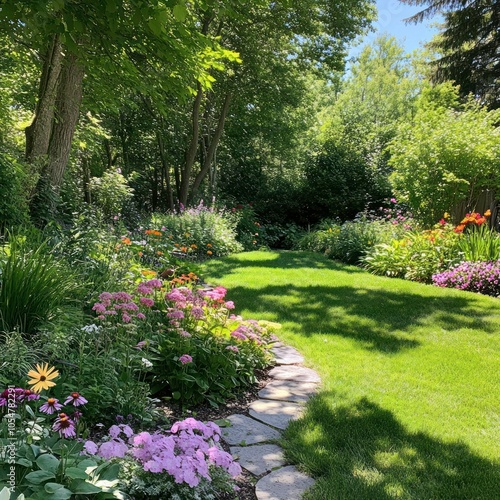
(144, 289)
(105, 298)
(140, 344)
(122, 297)
(185, 334)
(229, 304)
(131, 306)
(239, 333)
(113, 448)
(175, 314)
(90, 447)
(232, 348)
(126, 318)
(141, 316)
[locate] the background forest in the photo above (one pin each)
(134, 107)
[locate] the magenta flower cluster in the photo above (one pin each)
(64, 424)
(185, 453)
(17, 395)
(479, 277)
(125, 307)
(192, 306)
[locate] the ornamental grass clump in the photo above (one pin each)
(479, 277)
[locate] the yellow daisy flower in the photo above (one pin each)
(42, 376)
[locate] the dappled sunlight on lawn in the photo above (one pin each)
(363, 452)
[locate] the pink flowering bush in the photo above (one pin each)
(479, 277)
(205, 353)
(186, 456)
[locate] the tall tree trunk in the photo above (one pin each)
(39, 131)
(69, 97)
(86, 179)
(166, 170)
(192, 149)
(212, 148)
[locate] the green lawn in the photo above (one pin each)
(410, 402)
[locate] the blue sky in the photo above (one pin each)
(390, 20)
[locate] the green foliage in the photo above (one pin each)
(416, 257)
(17, 356)
(48, 466)
(379, 92)
(111, 192)
(200, 231)
(466, 46)
(35, 289)
(337, 184)
(479, 244)
(445, 157)
(351, 241)
(13, 193)
(143, 485)
(223, 353)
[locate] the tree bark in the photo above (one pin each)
(166, 170)
(69, 97)
(212, 148)
(38, 133)
(192, 149)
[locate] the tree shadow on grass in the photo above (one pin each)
(379, 319)
(360, 451)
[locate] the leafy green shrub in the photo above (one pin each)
(194, 349)
(445, 156)
(416, 257)
(111, 192)
(201, 231)
(350, 241)
(202, 353)
(35, 287)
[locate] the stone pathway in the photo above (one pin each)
(251, 439)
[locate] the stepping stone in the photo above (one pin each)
(245, 431)
(286, 483)
(294, 373)
(275, 413)
(277, 343)
(286, 355)
(287, 390)
(260, 458)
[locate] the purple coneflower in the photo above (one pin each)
(52, 405)
(64, 425)
(76, 399)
